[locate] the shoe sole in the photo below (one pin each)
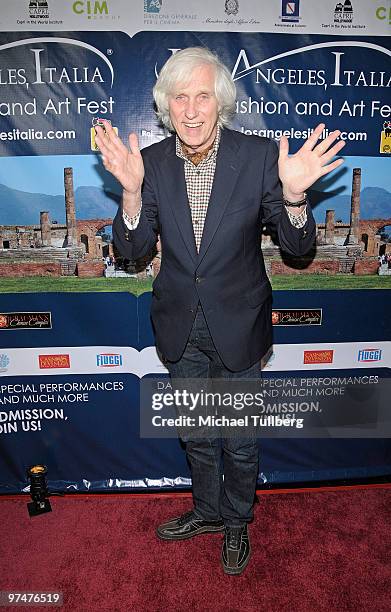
(200, 531)
(236, 571)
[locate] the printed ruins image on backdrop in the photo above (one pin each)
(80, 247)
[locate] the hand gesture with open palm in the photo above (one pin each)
(300, 170)
(123, 163)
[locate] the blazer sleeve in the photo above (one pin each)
(137, 243)
(292, 240)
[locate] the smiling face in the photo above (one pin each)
(193, 109)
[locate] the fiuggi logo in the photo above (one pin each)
(54, 361)
(318, 356)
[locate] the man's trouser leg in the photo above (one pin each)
(214, 498)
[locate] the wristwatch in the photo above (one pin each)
(295, 204)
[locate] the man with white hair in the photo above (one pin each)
(207, 192)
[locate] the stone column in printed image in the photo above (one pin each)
(354, 232)
(70, 210)
(330, 226)
(46, 235)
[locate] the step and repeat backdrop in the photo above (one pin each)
(76, 341)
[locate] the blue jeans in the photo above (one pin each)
(216, 497)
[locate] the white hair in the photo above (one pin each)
(179, 68)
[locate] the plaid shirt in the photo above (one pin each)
(199, 182)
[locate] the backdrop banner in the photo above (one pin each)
(76, 340)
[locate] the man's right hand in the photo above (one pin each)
(126, 165)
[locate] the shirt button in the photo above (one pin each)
(198, 279)
(198, 171)
(196, 222)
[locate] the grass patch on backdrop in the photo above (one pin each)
(137, 286)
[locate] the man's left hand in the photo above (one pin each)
(300, 170)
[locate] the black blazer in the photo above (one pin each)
(228, 274)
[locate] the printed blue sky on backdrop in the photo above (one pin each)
(95, 189)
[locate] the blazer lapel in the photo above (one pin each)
(175, 186)
(226, 175)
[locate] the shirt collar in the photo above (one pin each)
(212, 152)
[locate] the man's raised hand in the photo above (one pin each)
(126, 165)
(301, 170)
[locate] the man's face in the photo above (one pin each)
(194, 110)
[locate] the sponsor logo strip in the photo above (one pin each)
(111, 360)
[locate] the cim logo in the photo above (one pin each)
(383, 13)
(325, 356)
(108, 360)
(368, 355)
(92, 8)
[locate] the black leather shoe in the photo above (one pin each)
(187, 526)
(236, 550)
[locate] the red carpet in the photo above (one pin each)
(312, 551)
